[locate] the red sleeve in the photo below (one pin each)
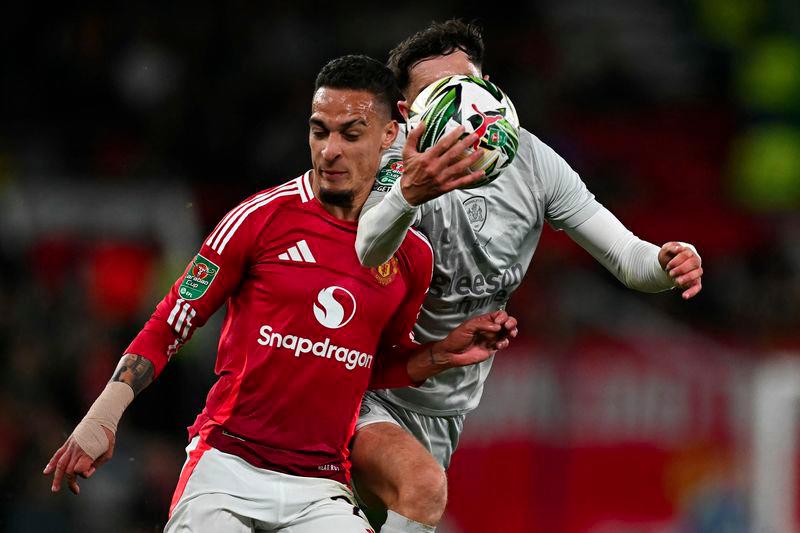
(211, 277)
(397, 341)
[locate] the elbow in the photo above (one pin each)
(368, 257)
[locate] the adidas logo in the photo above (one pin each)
(300, 253)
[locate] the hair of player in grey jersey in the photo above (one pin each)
(438, 39)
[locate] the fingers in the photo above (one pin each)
(412, 141)
(510, 327)
(61, 465)
(508, 322)
(69, 467)
(451, 140)
(667, 252)
(507, 330)
(685, 255)
(688, 278)
(69, 473)
(51, 465)
(499, 316)
(68, 462)
(673, 248)
(455, 163)
(481, 325)
(685, 268)
(692, 291)
(72, 483)
(83, 465)
(463, 181)
(457, 149)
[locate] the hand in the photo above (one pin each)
(475, 340)
(71, 461)
(440, 169)
(683, 265)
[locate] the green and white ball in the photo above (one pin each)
(478, 105)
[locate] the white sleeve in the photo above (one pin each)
(633, 261)
(383, 226)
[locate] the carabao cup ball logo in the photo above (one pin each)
(478, 105)
(335, 307)
(200, 271)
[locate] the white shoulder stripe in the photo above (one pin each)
(235, 213)
(232, 213)
(306, 180)
(301, 187)
(247, 213)
(422, 237)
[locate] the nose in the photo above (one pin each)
(332, 148)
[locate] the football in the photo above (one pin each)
(478, 105)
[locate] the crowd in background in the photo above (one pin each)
(127, 131)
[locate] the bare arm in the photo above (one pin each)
(134, 370)
(473, 341)
(92, 442)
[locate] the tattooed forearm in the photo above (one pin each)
(134, 370)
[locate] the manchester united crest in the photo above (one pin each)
(386, 272)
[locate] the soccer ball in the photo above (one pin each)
(481, 107)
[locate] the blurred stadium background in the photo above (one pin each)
(127, 130)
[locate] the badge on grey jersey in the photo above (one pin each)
(476, 211)
(391, 172)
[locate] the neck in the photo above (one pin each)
(347, 213)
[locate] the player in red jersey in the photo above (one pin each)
(307, 330)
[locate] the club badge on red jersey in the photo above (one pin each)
(386, 272)
(198, 279)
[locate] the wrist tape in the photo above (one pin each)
(105, 412)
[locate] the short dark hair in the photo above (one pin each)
(361, 73)
(438, 39)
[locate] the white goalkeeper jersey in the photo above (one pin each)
(483, 241)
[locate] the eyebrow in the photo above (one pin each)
(345, 126)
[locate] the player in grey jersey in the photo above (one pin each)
(483, 241)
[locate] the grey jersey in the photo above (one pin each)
(483, 241)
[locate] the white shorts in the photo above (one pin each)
(219, 492)
(438, 434)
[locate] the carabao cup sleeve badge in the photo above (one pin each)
(198, 279)
(387, 175)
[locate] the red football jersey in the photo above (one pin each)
(306, 328)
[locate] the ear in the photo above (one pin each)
(403, 106)
(389, 134)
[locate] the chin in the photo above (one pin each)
(338, 197)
